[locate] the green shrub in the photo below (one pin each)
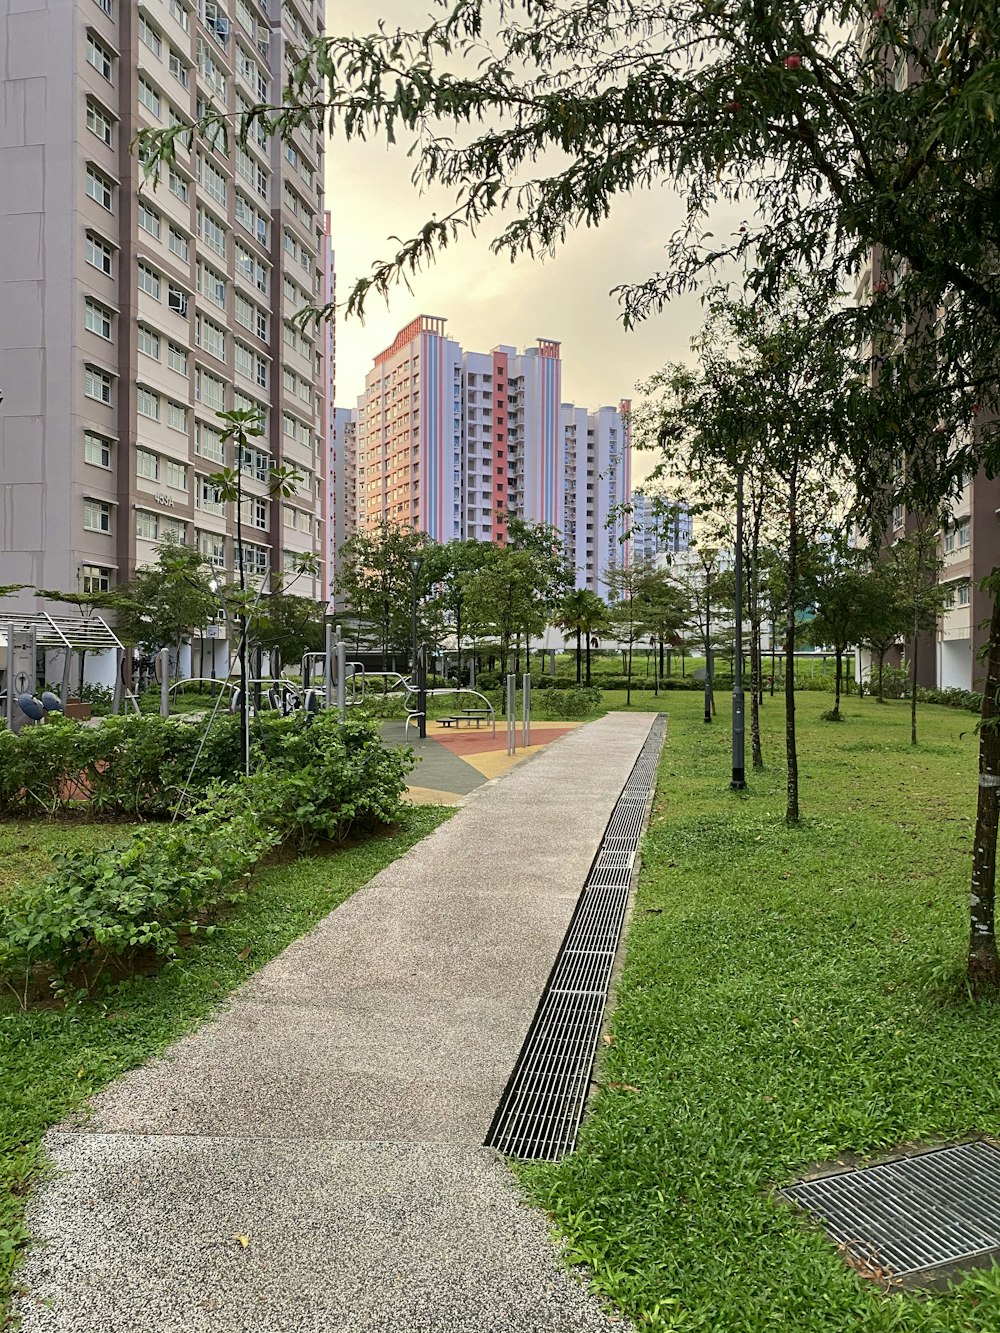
(581, 701)
(326, 780)
(383, 705)
(144, 897)
(155, 892)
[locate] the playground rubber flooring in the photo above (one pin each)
(452, 764)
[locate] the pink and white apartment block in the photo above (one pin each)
(451, 442)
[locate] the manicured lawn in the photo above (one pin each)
(51, 1060)
(788, 996)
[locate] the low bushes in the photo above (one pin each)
(581, 701)
(152, 894)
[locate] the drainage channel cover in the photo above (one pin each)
(540, 1113)
(910, 1217)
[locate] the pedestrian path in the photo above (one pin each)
(312, 1159)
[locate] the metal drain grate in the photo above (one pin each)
(541, 1109)
(914, 1215)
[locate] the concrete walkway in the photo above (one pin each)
(311, 1159)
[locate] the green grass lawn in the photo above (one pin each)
(52, 1059)
(788, 996)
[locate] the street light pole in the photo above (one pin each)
(419, 669)
(738, 782)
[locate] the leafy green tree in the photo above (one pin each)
(288, 626)
(883, 613)
(774, 398)
(625, 584)
(841, 589)
(450, 567)
(377, 581)
(662, 609)
(166, 602)
(508, 596)
(581, 613)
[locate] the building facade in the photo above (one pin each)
(133, 310)
(453, 442)
(659, 534)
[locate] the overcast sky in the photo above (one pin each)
(486, 299)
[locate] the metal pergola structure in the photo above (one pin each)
(66, 634)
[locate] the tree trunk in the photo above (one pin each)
(628, 676)
(836, 687)
(755, 686)
(708, 655)
(983, 968)
(579, 653)
(913, 687)
(881, 667)
(458, 642)
(792, 802)
(588, 658)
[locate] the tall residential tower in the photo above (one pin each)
(132, 311)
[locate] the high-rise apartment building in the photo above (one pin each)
(659, 533)
(132, 311)
(452, 442)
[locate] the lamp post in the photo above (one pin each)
(419, 676)
(738, 782)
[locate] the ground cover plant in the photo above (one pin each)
(53, 1057)
(789, 996)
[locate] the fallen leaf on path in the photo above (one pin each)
(608, 1039)
(244, 954)
(243, 1240)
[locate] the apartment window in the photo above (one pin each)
(179, 69)
(177, 358)
(149, 36)
(245, 17)
(146, 525)
(243, 359)
(98, 384)
(176, 474)
(147, 465)
(243, 311)
(210, 337)
(213, 232)
(99, 253)
(149, 220)
(262, 325)
(208, 442)
(147, 403)
(255, 462)
(96, 449)
(149, 281)
(96, 515)
(180, 14)
(177, 417)
(150, 99)
(949, 539)
(962, 533)
(254, 559)
(178, 244)
(263, 181)
(207, 496)
(178, 185)
(212, 180)
(148, 341)
(95, 578)
(212, 547)
(99, 188)
(106, 6)
(177, 300)
(254, 511)
(99, 122)
(100, 57)
(288, 425)
(97, 319)
(963, 594)
(209, 390)
(244, 262)
(897, 516)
